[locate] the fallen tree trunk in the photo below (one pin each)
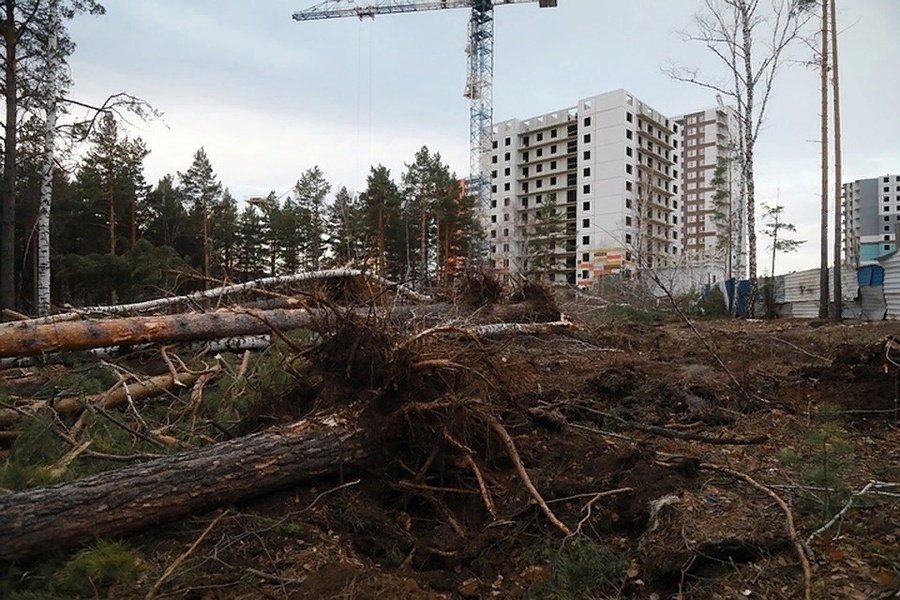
(28, 339)
(138, 390)
(227, 290)
(129, 499)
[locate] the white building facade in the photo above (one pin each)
(586, 191)
(871, 218)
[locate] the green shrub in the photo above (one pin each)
(581, 570)
(97, 568)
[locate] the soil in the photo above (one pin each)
(617, 424)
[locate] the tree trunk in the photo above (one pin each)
(27, 338)
(749, 142)
(8, 197)
(838, 300)
(144, 495)
(43, 224)
(823, 243)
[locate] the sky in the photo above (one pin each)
(268, 97)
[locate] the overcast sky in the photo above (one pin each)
(269, 97)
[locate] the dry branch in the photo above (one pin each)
(151, 387)
(789, 520)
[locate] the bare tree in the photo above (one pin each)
(823, 242)
(749, 38)
(838, 184)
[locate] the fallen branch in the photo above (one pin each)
(118, 395)
(175, 564)
(840, 515)
(678, 435)
(789, 520)
(500, 430)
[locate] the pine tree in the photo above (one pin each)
(223, 221)
(111, 175)
(201, 190)
(310, 192)
(252, 243)
(381, 226)
(342, 237)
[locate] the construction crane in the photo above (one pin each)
(480, 50)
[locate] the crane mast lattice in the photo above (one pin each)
(480, 50)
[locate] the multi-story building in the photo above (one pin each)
(871, 218)
(585, 191)
(714, 230)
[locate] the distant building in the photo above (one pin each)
(871, 218)
(714, 227)
(609, 167)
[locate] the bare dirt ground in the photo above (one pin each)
(663, 447)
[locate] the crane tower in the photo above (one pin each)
(480, 50)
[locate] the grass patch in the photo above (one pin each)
(581, 570)
(94, 570)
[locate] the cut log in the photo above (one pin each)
(133, 498)
(28, 339)
(139, 390)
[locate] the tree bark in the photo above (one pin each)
(154, 492)
(838, 184)
(10, 148)
(28, 339)
(823, 226)
(43, 223)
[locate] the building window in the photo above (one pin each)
(525, 155)
(887, 246)
(586, 240)
(628, 151)
(493, 233)
(493, 174)
(553, 133)
(494, 189)
(585, 206)
(587, 138)
(587, 189)
(506, 247)
(628, 221)
(553, 181)
(494, 145)
(587, 121)
(539, 198)
(586, 257)
(493, 218)
(540, 136)
(494, 159)
(506, 187)
(887, 218)
(494, 203)
(587, 171)
(629, 117)
(587, 155)
(540, 152)
(506, 156)
(506, 142)
(539, 183)
(887, 227)
(505, 234)
(629, 169)
(539, 169)
(584, 274)
(552, 165)
(553, 149)
(628, 202)
(628, 184)
(506, 171)
(629, 134)
(506, 202)
(627, 238)
(585, 222)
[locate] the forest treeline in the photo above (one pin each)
(115, 237)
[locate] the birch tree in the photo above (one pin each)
(43, 223)
(749, 39)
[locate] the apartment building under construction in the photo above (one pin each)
(586, 191)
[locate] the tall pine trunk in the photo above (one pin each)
(823, 246)
(8, 197)
(838, 183)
